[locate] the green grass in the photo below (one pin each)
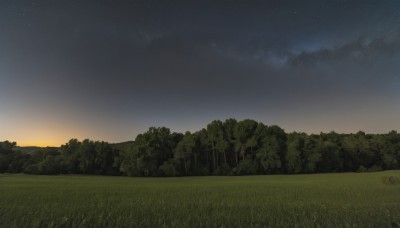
(319, 200)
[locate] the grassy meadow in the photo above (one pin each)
(317, 200)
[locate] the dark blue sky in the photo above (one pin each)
(108, 70)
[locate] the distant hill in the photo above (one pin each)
(31, 149)
(122, 146)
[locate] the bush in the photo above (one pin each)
(201, 170)
(375, 168)
(32, 169)
(222, 170)
(362, 169)
(390, 180)
(245, 167)
(168, 168)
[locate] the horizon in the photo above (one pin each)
(114, 69)
(193, 131)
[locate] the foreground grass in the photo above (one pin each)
(320, 200)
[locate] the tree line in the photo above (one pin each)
(227, 147)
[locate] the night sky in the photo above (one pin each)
(108, 70)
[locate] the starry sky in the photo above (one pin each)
(108, 70)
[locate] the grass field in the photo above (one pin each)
(319, 200)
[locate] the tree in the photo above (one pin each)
(243, 133)
(245, 167)
(330, 157)
(184, 150)
(69, 153)
(294, 155)
(268, 155)
(11, 159)
(229, 128)
(391, 153)
(223, 148)
(215, 134)
(86, 157)
(202, 149)
(169, 168)
(133, 162)
(50, 165)
(149, 151)
(311, 154)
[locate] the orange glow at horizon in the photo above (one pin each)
(39, 144)
(54, 128)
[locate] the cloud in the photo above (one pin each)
(361, 51)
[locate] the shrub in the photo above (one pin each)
(362, 169)
(201, 170)
(390, 180)
(169, 168)
(245, 167)
(32, 169)
(222, 170)
(375, 168)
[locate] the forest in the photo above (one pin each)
(227, 147)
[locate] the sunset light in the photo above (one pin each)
(199, 113)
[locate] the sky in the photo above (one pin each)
(109, 70)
